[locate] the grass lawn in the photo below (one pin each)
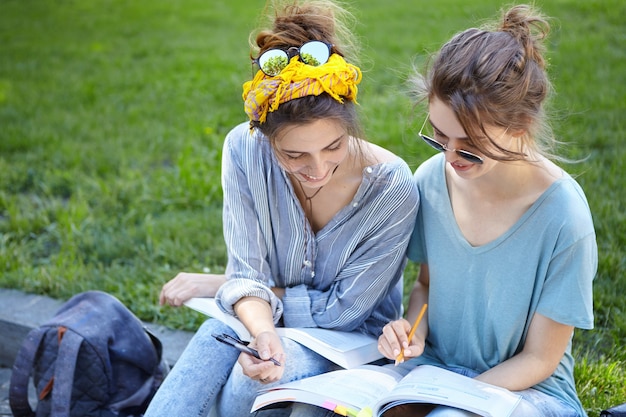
(112, 115)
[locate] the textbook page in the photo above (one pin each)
(430, 384)
(346, 349)
(380, 388)
(209, 307)
(351, 389)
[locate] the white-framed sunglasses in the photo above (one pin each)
(273, 61)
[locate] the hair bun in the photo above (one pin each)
(529, 27)
(290, 23)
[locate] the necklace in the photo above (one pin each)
(308, 214)
(308, 209)
(308, 200)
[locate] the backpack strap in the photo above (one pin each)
(20, 374)
(64, 369)
(617, 411)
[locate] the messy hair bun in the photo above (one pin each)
(529, 28)
(291, 23)
(496, 76)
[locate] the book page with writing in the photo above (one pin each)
(346, 349)
(350, 388)
(433, 385)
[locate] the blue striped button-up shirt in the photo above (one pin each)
(347, 276)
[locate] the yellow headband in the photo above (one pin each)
(264, 94)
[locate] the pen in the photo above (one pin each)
(400, 357)
(242, 347)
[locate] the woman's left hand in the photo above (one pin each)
(268, 345)
(187, 285)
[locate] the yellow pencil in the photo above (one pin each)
(400, 357)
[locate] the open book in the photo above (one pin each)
(346, 349)
(372, 390)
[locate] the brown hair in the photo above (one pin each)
(293, 24)
(496, 76)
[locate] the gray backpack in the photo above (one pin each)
(94, 358)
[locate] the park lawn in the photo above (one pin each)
(112, 115)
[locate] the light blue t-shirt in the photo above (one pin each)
(482, 298)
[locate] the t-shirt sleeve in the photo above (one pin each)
(567, 292)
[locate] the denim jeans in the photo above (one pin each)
(207, 375)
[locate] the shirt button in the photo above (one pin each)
(355, 204)
(307, 263)
(369, 170)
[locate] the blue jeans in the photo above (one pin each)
(207, 375)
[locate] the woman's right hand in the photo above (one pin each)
(189, 285)
(395, 337)
(268, 345)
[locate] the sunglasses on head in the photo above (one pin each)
(273, 61)
(468, 156)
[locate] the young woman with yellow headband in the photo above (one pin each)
(316, 221)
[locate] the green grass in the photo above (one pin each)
(112, 115)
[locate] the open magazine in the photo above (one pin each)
(346, 349)
(372, 390)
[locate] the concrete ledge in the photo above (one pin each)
(21, 312)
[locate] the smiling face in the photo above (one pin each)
(448, 131)
(311, 152)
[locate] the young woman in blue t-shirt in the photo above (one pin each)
(504, 236)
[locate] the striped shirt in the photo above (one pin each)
(348, 275)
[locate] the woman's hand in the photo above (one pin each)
(395, 337)
(188, 285)
(269, 346)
